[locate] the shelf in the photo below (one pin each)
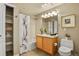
(9, 47)
(9, 30)
(9, 37)
(9, 23)
(9, 53)
(9, 40)
(9, 43)
(9, 16)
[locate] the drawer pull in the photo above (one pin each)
(0, 35)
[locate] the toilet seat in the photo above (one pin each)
(64, 49)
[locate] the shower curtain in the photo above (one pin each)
(23, 33)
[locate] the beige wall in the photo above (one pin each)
(38, 25)
(67, 9)
(32, 29)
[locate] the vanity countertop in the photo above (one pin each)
(46, 35)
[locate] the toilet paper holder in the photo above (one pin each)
(55, 44)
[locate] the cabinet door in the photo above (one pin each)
(2, 29)
(47, 45)
(39, 42)
(54, 40)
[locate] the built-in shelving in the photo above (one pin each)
(9, 16)
(9, 31)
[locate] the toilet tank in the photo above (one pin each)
(67, 43)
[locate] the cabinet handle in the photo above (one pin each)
(55, 44)
(0, 35)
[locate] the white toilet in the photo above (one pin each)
(66, 46)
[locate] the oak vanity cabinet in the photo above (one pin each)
(47, 44)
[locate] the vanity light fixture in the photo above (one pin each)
(50, 14)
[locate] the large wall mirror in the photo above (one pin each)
(51, 24)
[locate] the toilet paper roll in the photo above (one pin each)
(55, 44)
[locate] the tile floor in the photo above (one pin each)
(37, 52)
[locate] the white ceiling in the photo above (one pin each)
(33, 8)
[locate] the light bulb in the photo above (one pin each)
(42, 16)
(49, 14)
(46, 15)
(54, 13)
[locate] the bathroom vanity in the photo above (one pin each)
(47, 43)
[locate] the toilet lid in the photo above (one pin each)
(64, 49)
